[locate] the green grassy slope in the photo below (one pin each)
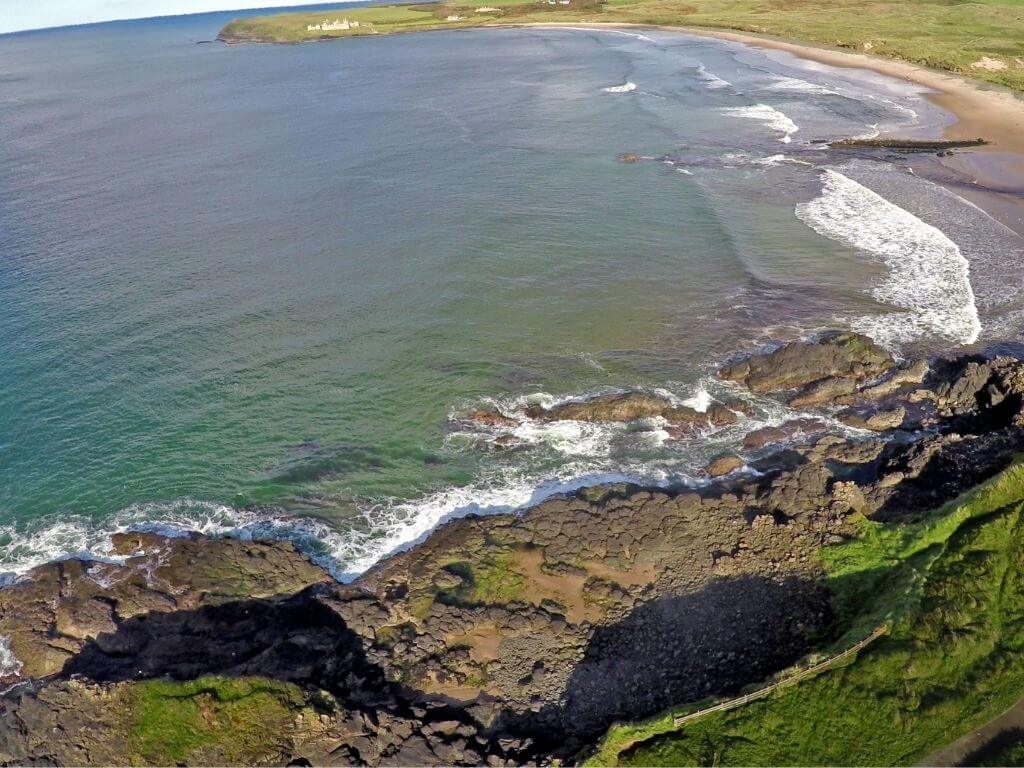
(953, 587)
(983, 39)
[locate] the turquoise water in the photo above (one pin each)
(244, 286)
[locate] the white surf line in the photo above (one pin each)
(796, 85)
(928, 276)
(770, 116)
(634, 35)
(711, 80)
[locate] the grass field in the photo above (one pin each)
(952, 587)
(983, 39)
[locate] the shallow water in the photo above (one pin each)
(272, 277)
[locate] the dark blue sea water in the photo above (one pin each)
(254, 288)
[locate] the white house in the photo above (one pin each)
(331, 26)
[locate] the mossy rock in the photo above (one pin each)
(211, 720)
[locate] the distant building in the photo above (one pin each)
(331, 26)
(453, 17)
(488, 9)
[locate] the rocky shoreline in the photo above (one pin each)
(506, 639)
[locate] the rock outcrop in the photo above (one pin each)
(49, 616)
(506, 639)
(834, 356)
(632, 406)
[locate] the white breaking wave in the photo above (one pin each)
(928, 277)
(797, 85)
(770, 116)
(699, 400)
(711, 80)
(624, 88)
(897, 106)
(380, 529)
(344, 553)
(872, 132)
(634, 35)
(9, 663)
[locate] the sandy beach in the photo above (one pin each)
(991, 176)
(995, 114)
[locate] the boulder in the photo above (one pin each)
(877, 421)
(760, 438)
(823, 392)
(799, 363)
(631, 406)
(911, 373)
(491, 418)
(723, 465)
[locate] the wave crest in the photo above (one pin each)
(928, 276)
(770, 116)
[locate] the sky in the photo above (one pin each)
(16, 15)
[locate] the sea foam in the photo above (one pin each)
(770, 116)
(389, 525)
(797, 85)
(711, 80)
(928, 277)
(9, 663)
(624, 88)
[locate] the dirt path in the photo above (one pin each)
(998, 732)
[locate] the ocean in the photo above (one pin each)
(255, 290)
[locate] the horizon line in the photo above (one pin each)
(131, 19)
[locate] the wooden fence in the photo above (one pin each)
(790, 680)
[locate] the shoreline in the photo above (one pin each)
(992, 176)
(989, 112)
(994, 171)
(993, 199)
(522, 637)
(512, 639)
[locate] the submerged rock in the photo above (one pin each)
(632, 406)
(491, 418)
(765, 436)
